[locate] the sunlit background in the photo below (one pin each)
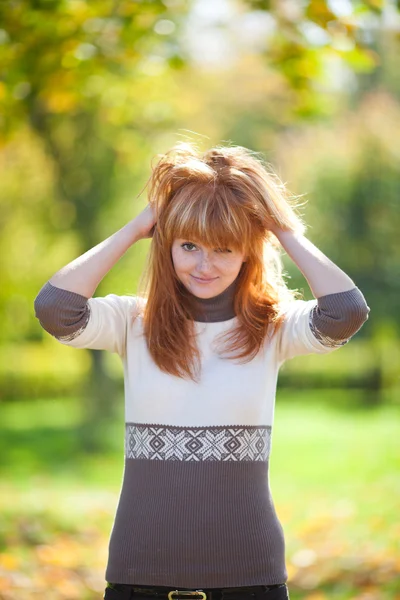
(90, 93)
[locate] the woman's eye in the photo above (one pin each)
(187, 244)
(193, 245)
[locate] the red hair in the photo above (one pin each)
(226, 197)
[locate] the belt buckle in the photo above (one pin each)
(188, 593)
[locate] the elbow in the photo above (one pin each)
(60, 312)
(46, 311)
(354, 319)
(364, 313)
(356, 310)
(341, 315)
(43, 304)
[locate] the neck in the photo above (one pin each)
(212, 310)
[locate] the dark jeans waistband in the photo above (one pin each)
(162, 588)
(257, 592)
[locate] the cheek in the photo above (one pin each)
(175, 259)
(181, 261)
(231, 264)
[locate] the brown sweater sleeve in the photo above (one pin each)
(61, 313)
(333, 321)
(337, 317)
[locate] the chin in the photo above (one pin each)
(206, 291)
(203, 290)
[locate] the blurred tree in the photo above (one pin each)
(350, 171)
(73, 71)
(315, 41)
(76, 72)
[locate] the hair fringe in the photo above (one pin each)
(228, 195)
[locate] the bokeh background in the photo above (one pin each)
(90, 92)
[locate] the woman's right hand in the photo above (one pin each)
(146, 221)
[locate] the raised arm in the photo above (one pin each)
(65, 305)
(323, 276)
(340, 309)
(84, 274)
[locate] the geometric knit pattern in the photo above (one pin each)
(195, 509)
(217, 443)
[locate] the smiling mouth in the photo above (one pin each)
(204, 280)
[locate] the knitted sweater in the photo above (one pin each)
(195, 507)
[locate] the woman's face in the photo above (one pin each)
(205, 272)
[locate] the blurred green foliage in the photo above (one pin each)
(333, 478)
(91, 91)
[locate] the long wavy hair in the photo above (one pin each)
(225, 197)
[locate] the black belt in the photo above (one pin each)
(167, 593)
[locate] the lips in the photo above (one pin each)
(204, 280)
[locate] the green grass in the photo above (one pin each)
(333, 475)
(333, 447)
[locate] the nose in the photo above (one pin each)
(205, 265)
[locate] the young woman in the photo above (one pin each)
(201, 348)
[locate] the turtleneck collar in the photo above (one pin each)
(212, 310)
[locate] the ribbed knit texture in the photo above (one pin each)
(195, 508)
(215, 309)
(337, 314)
(60, 311)
(212, 523)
